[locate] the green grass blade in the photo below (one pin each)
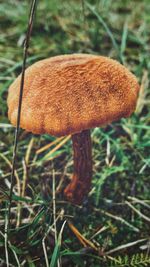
(103, 23)
(56, 252)
(124, 41)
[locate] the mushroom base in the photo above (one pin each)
(80, 184)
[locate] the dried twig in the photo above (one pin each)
(26, 46)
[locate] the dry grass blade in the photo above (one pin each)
(24, 182)
(104, 228)
(49, 145)
(54, 213)
(143, 93)
(140, 201)
(57, 147)
(138, 212)
(84, 241)
(58, 189)
(25, 165)
(5, 125)
(126, 246)
(18, 187)
(7, 243)
(28, 152)
(16, 174)
(6, 239)
(118, 219)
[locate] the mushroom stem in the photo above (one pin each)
(81, 181)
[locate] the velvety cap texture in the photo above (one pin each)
(70, 93)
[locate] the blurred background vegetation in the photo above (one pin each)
(115, 219)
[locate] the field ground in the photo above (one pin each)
(115, 220)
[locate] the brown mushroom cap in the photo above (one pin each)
(70, 93)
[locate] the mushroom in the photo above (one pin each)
(70, 94)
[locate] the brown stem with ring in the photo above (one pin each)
(81, 180)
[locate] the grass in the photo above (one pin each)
(112, 229)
